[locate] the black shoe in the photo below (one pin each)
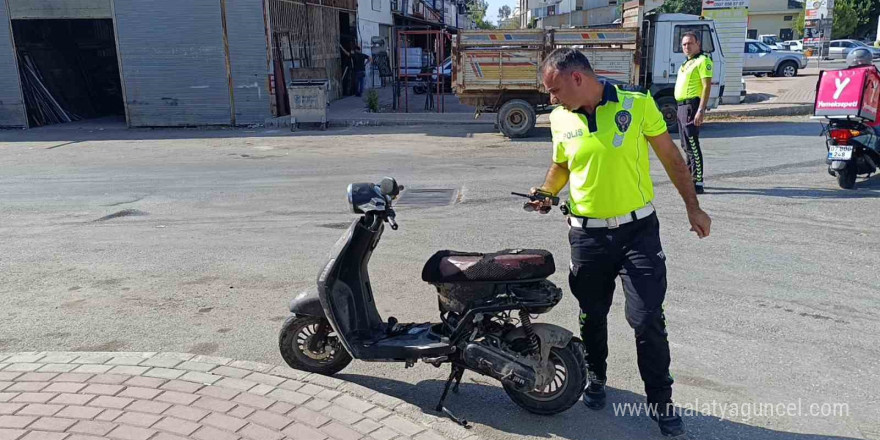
(699, 188)
(594, 395)
(669, 422)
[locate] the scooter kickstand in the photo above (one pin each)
(453, 375)
(461, 422)
(458, 380)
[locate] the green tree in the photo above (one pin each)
(867, 11)
(477, 13)
(504, 13)
(694, 7)
(845, 19)
(799, 25)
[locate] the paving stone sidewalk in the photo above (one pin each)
(168, 396)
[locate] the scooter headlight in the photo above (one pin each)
(364, 197)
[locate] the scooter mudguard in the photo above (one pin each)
(838, 165)
(307, 303)
(550, 336)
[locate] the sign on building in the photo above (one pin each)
(818, 19)
(731, 20)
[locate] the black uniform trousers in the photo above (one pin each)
(632, 252)
(690, 136)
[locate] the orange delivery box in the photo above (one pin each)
(848, 92)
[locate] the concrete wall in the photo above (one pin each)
(770, 23)
(591, 17)
(23, 9)
(12, 112)
(369, 19)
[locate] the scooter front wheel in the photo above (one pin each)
(296, 334)
(566, 388)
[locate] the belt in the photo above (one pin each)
(688, 101)
(613, 222)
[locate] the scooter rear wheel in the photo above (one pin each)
(566, 388)
(846, 177)
(296, 332)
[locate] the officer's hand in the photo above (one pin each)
(698, 118)
(542, 207)
(700, 222)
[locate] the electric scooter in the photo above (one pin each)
(486, 304)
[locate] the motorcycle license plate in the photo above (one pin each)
(840, 152)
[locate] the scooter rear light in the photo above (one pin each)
(842, 136)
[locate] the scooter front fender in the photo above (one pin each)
(307, 303)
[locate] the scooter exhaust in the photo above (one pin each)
(500, 365)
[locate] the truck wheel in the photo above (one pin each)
(669, 109)
(516, 118)
(787, 69)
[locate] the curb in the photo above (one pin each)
(401, 122)
(284, 122)
(255, 379)
(787, 110)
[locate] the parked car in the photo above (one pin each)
(771, 40)
(761, 60)
(794, 45)
(841, 48)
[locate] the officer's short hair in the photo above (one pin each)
(693, 35)
(566, 60)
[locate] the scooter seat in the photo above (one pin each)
(507, 265)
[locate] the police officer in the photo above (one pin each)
(692, 88)
(601, 134)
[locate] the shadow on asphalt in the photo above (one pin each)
(719, 129)
(865, 189)
(488, 405)
(66, 137)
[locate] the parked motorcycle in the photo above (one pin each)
(851, 150)
(486, 304)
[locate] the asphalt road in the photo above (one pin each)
(194, 241)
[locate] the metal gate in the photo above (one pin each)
(12, 112)
(173, 62)
(306, 36)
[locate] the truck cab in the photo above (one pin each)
(662, 57)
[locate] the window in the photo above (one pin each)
(835, 44)
(377, 5)
(551, 10)
(701, 29)
(846, 44)
(752, 48)
(788, 18)
(786, 34)
(752, 34)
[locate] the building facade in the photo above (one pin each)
(774, 17)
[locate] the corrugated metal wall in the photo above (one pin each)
(12, 113)
(246, 29)
(43, 9)
(173, 62)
